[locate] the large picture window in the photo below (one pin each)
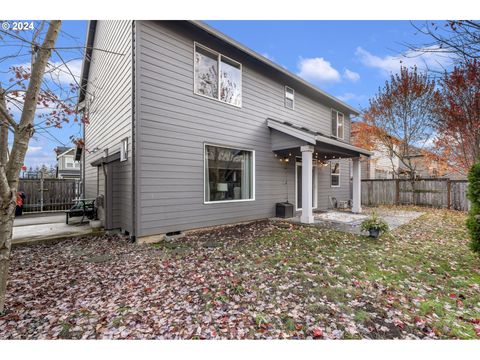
(229, 174)
(217, 76)
(337, 124)
(334, 173)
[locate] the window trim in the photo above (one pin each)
(339, 172)
(285, 98)
(343, 117)
(123, 152)
(234, 147)
(219, 60)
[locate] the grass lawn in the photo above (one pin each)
(261, 280)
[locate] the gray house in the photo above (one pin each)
(189, 129)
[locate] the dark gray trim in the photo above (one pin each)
(107, 159)
(92, 25)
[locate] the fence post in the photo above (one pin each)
(449, 187)
(397, 192)
(41, 191)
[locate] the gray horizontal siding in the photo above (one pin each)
(109, 92)
(174, 123)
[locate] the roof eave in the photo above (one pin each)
(89, 42)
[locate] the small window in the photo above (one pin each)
(124, 150)
(289, 98)
(334, 174)
(69, 165)
(338, 124)
(217, 77)
(229, 174)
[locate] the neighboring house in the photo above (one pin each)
(385, 164)
(188, 129)
(425, 166)
(67, 167)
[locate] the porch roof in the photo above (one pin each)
(107, 159)
(305, 136)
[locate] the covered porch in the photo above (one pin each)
(311, 147)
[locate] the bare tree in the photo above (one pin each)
(458, 39)
(402, 113)
(30, 96)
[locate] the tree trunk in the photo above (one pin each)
(6, 225)
(10, 171)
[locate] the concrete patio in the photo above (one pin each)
(30, 228)
(347, 221)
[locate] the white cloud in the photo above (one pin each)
(63, 73)
(318, 70)
(40, 152)
(351, 75)
(428, 58)
(60, 72)
(15, 105)
(34, 149)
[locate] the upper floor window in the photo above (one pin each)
(337, 124)
(289, 97)
(217, 76)
(70, 162)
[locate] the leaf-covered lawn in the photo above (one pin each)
(262, 280)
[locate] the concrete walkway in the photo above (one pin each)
(349, 222)
(30, 228)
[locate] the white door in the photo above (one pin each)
(298, 184)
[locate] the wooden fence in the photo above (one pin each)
(435, 192)
(48, 194)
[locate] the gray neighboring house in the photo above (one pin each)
(189, 129)
(67, 167)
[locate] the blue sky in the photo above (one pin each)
(348, 59)
(42, 144)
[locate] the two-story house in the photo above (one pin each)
(188, 129)
(67, 166)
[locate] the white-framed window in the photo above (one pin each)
(217, 76)
(69, 162)
(124, 150)
(229, 174)
(289, 98)
(338, 124)
(334, 173)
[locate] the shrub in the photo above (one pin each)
(374, 222)
(473, 194)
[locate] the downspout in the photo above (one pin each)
(133, 235)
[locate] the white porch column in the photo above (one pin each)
(357, 186)
(307, 188)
